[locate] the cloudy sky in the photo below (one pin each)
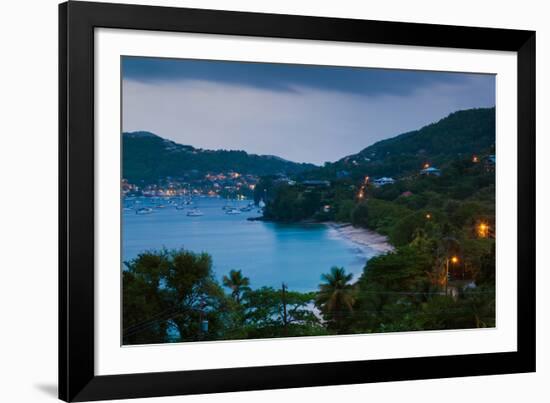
(301, 113)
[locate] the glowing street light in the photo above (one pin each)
(361, 193)
(428, 216)
(483, 230)
(453, 260)
(426, 165)
(475, 159)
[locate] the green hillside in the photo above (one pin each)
(464, 185)
(460, 134)
(148, 158)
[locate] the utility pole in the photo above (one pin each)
(203, 322)
(285, 319)
(446, 275)
(453, 260)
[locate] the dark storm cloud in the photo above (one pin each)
(285, 77)
(301, 113)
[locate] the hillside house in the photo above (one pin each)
(383, 181)
(430, 171)
(490, 162)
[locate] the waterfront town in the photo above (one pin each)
(223, 184)
(235, 185)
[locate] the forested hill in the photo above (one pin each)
(148, 158)
(461, 133)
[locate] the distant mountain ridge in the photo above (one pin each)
(148, 157)
(461, 133)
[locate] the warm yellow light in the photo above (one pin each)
(366, 179)
(428, 216)
(454, 259)
(475, 159)
(426, 166)
(483, 230)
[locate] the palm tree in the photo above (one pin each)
(237, 283)
(336, 295)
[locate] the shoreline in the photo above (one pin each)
(362, 237)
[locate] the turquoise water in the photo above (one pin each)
(267, 253)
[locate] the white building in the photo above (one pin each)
(383, 181)
(430, 171)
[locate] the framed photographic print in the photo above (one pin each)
(257, 201)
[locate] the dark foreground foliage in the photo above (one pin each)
(172, 296)
(169, 296)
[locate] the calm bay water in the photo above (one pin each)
(267, 253)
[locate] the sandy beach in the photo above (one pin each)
(362, 237)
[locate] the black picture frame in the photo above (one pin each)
(77, 21)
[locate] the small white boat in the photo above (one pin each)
(195, 213)
(232, 211)
(180, 207)
(144, 210)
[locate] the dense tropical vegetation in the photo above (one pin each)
(440, 275)
(172, 295)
